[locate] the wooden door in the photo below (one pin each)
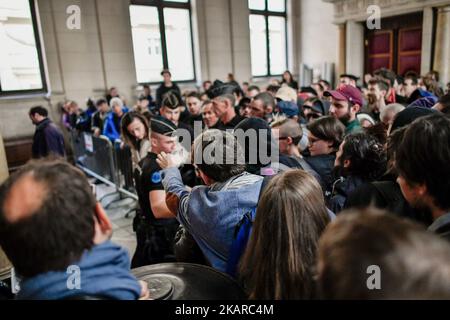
(397, 46)
(409, 50)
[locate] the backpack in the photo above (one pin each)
(242, 234)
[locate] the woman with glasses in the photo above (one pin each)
(325, 136)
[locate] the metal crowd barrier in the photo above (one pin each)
(125, 166)
(106, 162)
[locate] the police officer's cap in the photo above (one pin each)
(162, 126)
(219, 89)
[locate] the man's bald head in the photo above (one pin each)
(24, 198)
(47, 217)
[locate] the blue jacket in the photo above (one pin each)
(104, 272)
(47, 140)
(109, 128)
(211, 213)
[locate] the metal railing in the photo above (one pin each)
(109, 163)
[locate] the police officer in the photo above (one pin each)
(155, 237)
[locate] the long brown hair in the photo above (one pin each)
(127, 119)
(280, 257)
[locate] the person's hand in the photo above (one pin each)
(165, 161)
(145, 293)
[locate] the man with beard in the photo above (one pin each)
(346, 102)
(424, 174)
(378, 89)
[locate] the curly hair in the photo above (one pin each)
(366, 154)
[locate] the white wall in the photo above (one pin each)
(84, 63)
(81, 63)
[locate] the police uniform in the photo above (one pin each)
(155, 237)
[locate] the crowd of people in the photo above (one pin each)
(353, 177)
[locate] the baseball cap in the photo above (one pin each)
(319, 106)
(346, 93)
(288, 108)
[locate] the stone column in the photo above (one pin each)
(240, 40)
(354, 44)
(442, 44)
(341, 65)
(427, 40)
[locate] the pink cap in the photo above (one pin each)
(346, 93)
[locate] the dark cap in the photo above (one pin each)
(308, 90)
(288, 108)
(346, 75)
(162, 126)
(427, 102)
(319, 106)
(220, 88)
(346, 93)
(408, 115)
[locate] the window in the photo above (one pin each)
(21, 65)
(162, 39)
(268, 38)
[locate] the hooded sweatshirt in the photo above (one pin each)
(104, 272)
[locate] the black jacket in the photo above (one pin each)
(342, 189)
(324, 165)
(47, 140)
(98, 120)
(162, 90)
(387, 195)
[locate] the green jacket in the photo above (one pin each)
(353, 127)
